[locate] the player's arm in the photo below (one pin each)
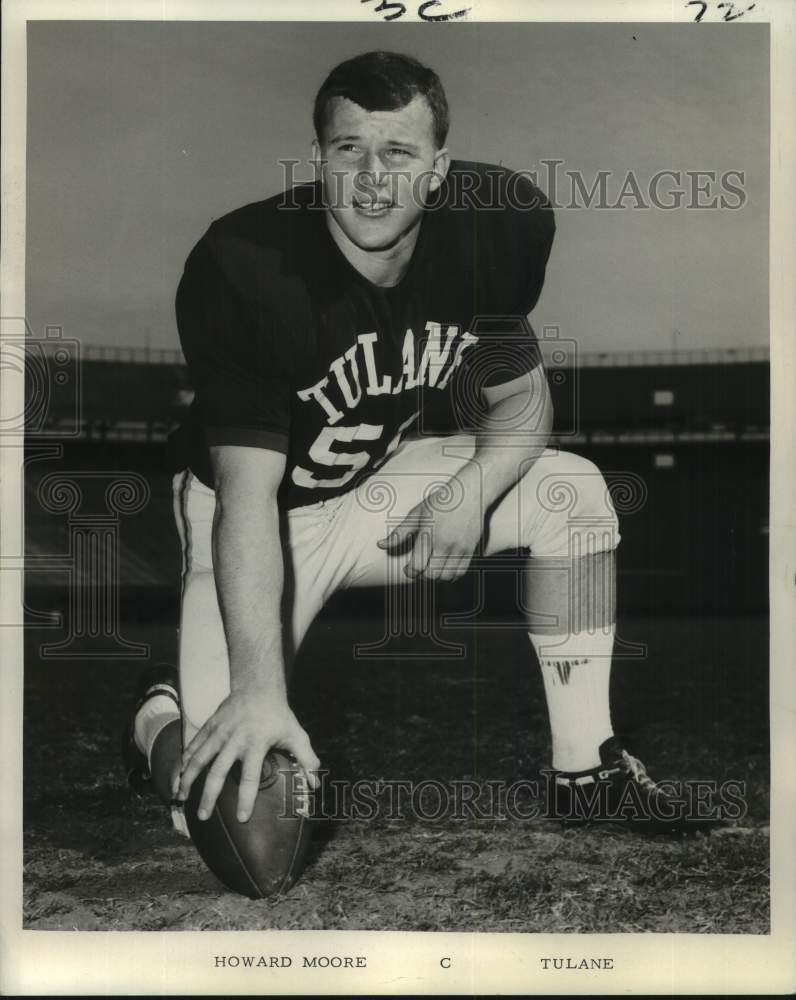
(512, 435)
(248, 564)
(249, 572)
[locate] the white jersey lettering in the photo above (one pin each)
(434, 369)
(435, 356)
(351, 398)
(322, 454)
(316, 392)
(468, 340)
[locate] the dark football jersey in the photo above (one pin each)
(290, 348)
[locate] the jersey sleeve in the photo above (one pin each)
(520, 238)
(242, 383)
(532, 228)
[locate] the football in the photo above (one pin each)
(265, 855)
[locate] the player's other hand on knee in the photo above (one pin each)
(437, 539)
(244, 727)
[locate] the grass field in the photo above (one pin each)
(695, 708)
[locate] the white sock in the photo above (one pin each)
(576, 670)
(156, 712)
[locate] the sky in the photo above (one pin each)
(141, 133)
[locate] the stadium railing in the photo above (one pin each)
(585, 359)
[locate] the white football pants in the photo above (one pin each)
(559, 508)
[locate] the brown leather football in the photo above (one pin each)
(265, 855)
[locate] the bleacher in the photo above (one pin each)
(112, 399)
(699, 399)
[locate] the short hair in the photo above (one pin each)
(383, 81)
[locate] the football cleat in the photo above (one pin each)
(161, 679)
(620, 791)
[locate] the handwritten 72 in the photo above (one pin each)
(730, 13)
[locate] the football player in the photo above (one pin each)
(370, 408)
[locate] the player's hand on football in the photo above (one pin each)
(438, 537)
(244, 727)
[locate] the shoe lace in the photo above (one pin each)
(638, 772)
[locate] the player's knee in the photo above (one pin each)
(574, 510)
(576, 487)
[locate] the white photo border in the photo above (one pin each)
(116, 963)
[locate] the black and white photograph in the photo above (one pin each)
(396, 527)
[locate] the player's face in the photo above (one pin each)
(378, 168)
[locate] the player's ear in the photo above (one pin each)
(316, 156)
(442, 162)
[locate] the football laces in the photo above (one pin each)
(639, 772)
